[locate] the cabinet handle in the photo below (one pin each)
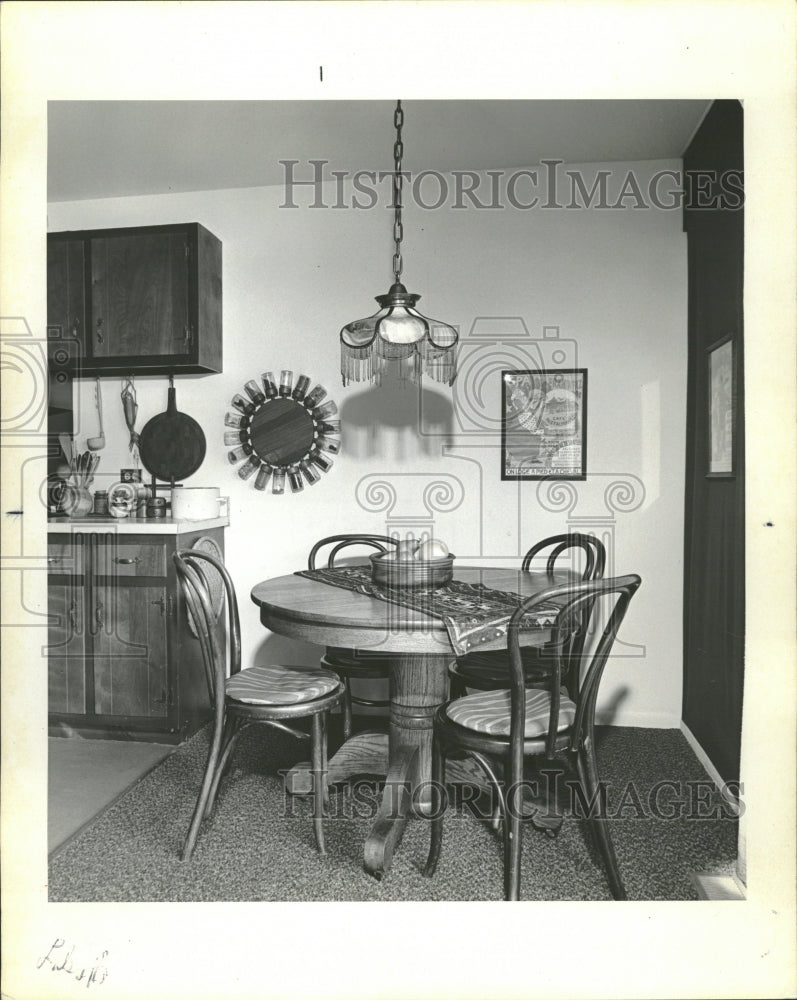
(166, 606)
(54, 559)
(99, 615)
(187, 336)
(127, 562)
(73, 619)
(76, 326)
(100, 338)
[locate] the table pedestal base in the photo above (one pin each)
(367, 754)
(418, 686)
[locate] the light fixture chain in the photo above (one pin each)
(398, 181)
(398, 340)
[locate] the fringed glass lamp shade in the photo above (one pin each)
(398, 332)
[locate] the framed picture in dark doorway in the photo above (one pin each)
(721, 408)
(544, 424)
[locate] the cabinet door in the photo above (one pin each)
(130, 650)
(139, 296)
(66, 291)
(66, 647)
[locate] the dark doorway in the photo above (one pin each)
(714, 610)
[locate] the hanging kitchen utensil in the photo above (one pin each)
(64, 469)
(130, 407)
(66, 446)
(97, 443)
(172, 444)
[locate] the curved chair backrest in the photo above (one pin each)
(578, 650)
(339, 542)
(192, 573)
(593, 549)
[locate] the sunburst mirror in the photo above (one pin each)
(282, 432)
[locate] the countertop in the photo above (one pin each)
(133, 525)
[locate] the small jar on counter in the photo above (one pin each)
(101, 503)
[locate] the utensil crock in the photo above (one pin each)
(77, 501)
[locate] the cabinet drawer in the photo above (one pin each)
(65, 557)
(136, 559)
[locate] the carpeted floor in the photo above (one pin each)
(251, 851)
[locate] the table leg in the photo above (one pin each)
(418, 686)
(393, 813)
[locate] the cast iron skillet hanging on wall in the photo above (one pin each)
(172, 445)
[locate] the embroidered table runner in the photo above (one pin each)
(471, 612)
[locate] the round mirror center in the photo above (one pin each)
(281, 432)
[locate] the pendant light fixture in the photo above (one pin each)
(398, 332)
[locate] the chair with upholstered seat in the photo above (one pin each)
(487, 671)
(352, 664)
(511, 725)
(271, 695)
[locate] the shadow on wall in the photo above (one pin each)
(396, 420)
(608, 712)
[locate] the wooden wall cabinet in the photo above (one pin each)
(139, 301)
(66, 287)
(122, 659)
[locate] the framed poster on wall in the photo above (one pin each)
(721, 407)
(544, 424)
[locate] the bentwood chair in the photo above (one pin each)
(487, 671)
(271, 695)
(352, 664)
(510, 725)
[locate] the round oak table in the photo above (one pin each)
(419, 653)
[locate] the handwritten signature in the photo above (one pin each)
(61, 958)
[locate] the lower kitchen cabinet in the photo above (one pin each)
(66, 662)
(123, 661)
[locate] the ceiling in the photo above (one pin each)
(105, 149)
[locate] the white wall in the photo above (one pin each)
(613, 281)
